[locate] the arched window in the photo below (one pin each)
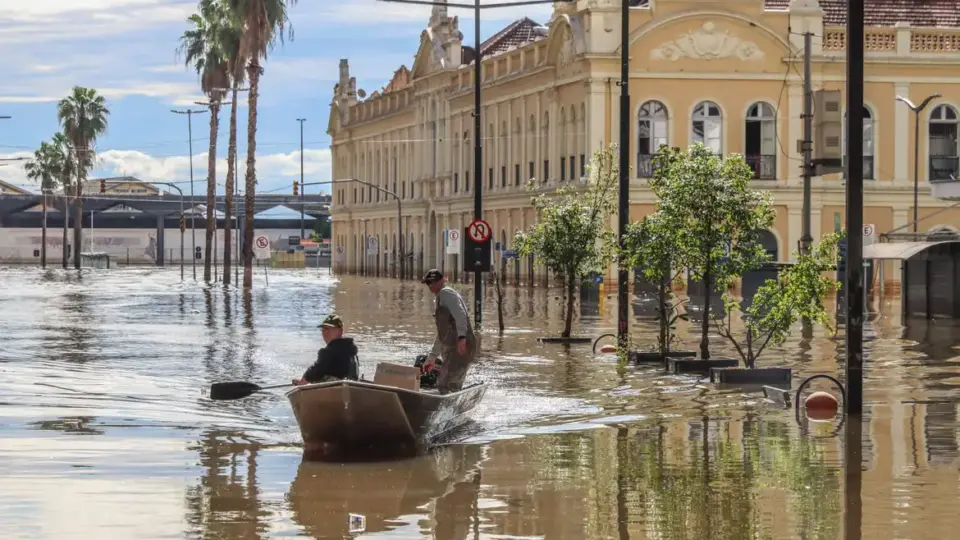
(468, 162)
(487, 137)
(652, 134)
(583, 146)
(708, 125)
(517, 145)
(943, 144)
(570, 144)
(545, 146)
(761, 141)
(532, 148)
(503, 154)
(457, 163)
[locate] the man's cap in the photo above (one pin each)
(332, 321)
(432, 276)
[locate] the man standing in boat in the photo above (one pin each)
(338, 360)
(455, 342)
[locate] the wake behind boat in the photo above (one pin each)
(354, 419)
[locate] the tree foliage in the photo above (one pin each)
(651, 247)
(715, 217)
(798, 292)
(572, 236)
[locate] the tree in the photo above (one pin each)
(45, 169)
(707, 201)
(61, 148)
(651, 248)
(229, 38)
(799, 291)
(204, 49)
(263, 22)
(572, 237)
(83, 117)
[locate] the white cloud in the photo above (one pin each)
(275, 172)
(374, 12)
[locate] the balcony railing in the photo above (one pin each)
(944, 168)
(644, 165)
(764, 166)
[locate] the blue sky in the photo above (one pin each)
(126, 49)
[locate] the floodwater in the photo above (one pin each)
(106, 433)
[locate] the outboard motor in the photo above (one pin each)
(428, 379)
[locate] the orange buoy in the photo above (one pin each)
(821, 406)
(607, 349)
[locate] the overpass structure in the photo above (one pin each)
(164, 205)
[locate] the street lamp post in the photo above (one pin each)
(623, 206)
(381, 190)
(193, 214)
(477, 140)
(917, 109)
(301, 120)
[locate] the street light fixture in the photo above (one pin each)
(917, 109)
(193, 213)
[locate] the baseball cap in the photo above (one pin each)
(332, 321)
(432, 276)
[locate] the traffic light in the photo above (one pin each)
(296, 188)
(183, 223)
(103, 186)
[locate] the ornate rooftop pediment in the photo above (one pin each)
(707, 43)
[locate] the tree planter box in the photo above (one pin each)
(653, 357)
(571, 339)
(737, 375)
(695, 365)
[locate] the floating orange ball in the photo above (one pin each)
(607, 349)
(821, 406)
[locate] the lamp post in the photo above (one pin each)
(301, 120)
(476, 7)
(381, 190)
(917, 109)
(193, 214)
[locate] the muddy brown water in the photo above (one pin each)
(105, 431)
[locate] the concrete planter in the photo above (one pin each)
(760, 376)
(654, 357)
(696, 365)
(571, 339)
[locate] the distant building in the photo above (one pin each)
(10, 189)
(120, 185)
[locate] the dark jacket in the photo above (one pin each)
(338, 360)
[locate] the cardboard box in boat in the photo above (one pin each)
(398, 375)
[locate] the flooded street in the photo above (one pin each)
(106, 431)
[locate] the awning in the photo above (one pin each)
(897, 251)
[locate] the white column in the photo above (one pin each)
(903, 131)
(816, 217)
(794, 132)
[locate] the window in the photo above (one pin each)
(573, 167)
(403, 190)
(583, 165)
(503, 176)
(708, 125)
(652, 131)
(490, 178)
(943, 144)
(868, 172)
(533, 171)
(761, 141)
(456, 183)
(466, 181)
(563, 168)
(516, 174)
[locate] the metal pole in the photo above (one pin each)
(193, 213)
(301, 120)
(916, 169)
(854, 271)
(400, 232)
(477, 163)
(623, 274)
(806, 238)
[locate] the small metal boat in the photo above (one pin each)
(361, 419)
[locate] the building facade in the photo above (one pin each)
(728, 74)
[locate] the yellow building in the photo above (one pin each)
(726, 73)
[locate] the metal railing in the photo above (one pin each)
(764, 166)
(944, 168)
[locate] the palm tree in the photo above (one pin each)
(263, 22)
(230, 42)
(44, 169)
(83, 117)
(203, 50)
(61, 149)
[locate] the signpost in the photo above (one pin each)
(453, 242)
(261, 251)
(373, 247)
(340, 256)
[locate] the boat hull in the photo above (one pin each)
(359, 419)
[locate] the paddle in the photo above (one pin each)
(236, 390)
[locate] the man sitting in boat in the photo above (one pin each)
(455, 339)
(338, 360)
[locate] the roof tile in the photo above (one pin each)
(920, 13)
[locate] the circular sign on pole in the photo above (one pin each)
(868, 230)
(262, 242)
(339, 249)
(479, 231)
(454, 235)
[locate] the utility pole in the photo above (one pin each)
(301, 120)
(806, 238)
(623, 274)
(193, 213)
(917, 109)
(854, 273)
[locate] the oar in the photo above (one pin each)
(236, 390)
